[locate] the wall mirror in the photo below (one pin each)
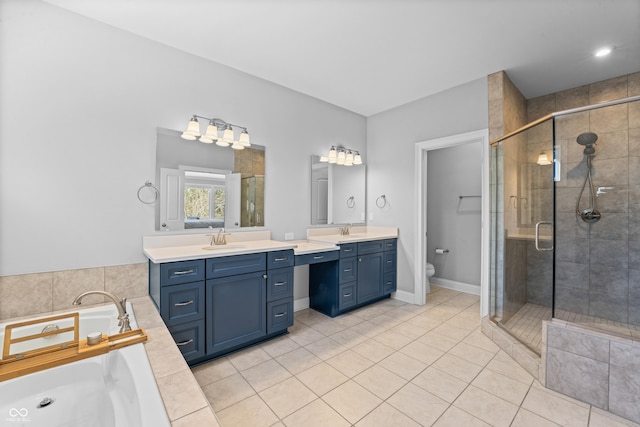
(205, 185)
(337, 193)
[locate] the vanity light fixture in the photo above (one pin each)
(543, 159)
(342, 156)
(211, 133)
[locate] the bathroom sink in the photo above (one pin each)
(221, 247)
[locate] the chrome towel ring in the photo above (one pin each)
(351, 202)
(381, 201)
(156, 193)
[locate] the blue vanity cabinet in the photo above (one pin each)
(279, 291)
(364, 273)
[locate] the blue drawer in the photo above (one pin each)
(280, 259)
(189, 338)
(279, 315)
(370, 247)
(182, 303)
(389, 283)
(347, 269)
(237, 264)
(347, 295)
(280, 284)
(389, 262)
(317, 257)
(173, 273)
(391, 244)
(348, 249)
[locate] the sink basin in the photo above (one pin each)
(221, 247)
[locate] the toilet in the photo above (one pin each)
(431, 270)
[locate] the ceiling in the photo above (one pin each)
(368, 56)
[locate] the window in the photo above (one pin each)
(203, 201)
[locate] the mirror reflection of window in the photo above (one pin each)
(204, 199)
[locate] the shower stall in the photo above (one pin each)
(565, 219)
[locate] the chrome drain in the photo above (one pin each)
(45, 402)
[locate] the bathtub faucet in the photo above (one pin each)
(121, 305)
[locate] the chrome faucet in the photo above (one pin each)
(344, 231)
(220, 238)
(121, 305)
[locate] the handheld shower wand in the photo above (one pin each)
(591, 214)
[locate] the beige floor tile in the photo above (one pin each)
(472, 354)
(505, 365)
(322, 378)
(287, 397)
(369, 329)
(309, 316)
(279, 346)
(379, 381)
(480, 340)
(386, 415)
(441, 384)
(393, 340)
(489, 408)
(455, 417)
(526, 418)
(316, 414)
(298, 360)
(348, 338)
(418, 404)
(328, 326)
(412, 331)
(227, 391)
(349, 319)
(249, 357)
(251, 412)
(452, 331)
(373, 350)
(181, 394)
(326, 348)
(459, 368)
(213, 371)
(425, 322)
(504, 387)
(349, 363)
(385, 321)
(203, 417)
(352, 401)
(265, 375)
(305, 335)
(403, 365)
(422, 352)
(555, 409)
(436, 340)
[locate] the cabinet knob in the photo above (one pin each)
(264, 276)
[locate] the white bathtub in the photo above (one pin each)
(116, 389)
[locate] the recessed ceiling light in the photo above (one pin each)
(603, 52)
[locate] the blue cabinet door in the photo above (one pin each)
(236, 311)
(369, 277)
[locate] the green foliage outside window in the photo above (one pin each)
(197, 203)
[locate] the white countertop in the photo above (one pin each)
(199, 251)
(357, 234)
(306, 247)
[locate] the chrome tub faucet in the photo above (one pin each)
(121, 305)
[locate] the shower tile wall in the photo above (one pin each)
(598, 265)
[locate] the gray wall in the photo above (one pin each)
(454, 223)
(391, 139)
(80, 105)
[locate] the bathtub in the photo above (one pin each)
(116, 389)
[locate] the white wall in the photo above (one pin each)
(79, 109)
(391, 137)
(454, 223)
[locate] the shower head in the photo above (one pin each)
(587, 138)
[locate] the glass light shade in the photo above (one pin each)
(212, 132)
(324, 159)
(357, 160)
(244, 139)
(228, 134)
(237, 145)
(222, 142)
(332, 154)
(206, 139)
(188, 136)
(543, 159)
(342, 155)
(193, 127)
(349, 157)
(333, 160)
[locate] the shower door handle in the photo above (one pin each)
(538, 248)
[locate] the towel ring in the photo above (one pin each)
(156, 192)
(383, 203)
(351, 202)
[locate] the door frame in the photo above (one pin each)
(421, 153)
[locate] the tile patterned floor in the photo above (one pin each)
(389, 364)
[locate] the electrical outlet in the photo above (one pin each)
(370, 216)
(288, 236)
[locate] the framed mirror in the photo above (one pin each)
(337, 193)
(205, 185)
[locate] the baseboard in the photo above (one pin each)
(456, 286)
(301, 304)
(404, 296)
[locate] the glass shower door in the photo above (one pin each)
(522, 233)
